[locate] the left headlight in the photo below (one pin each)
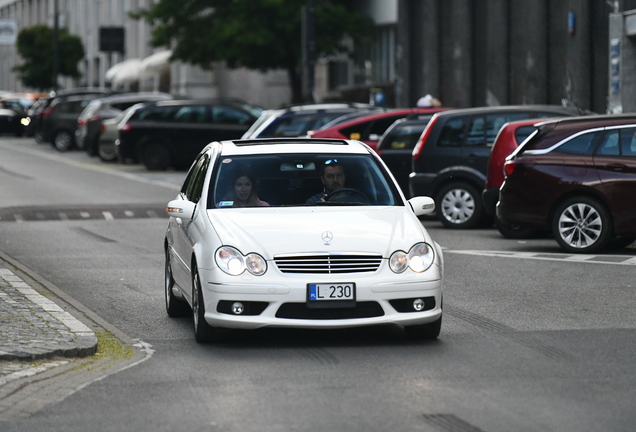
(419, 259)
(233, 262)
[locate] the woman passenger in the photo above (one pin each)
(244, 189)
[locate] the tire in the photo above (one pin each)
(174, 307)
(459, 206)
(514, 231)
(106, 152)
(156, 157)
(63, 140)
(582, 225)
(203, 332)
(424, 331)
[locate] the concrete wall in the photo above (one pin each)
(622, 69)
(497, 52)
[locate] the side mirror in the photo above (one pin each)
(181, 209)
(422, 205)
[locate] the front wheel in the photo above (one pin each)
(203, 332)
(459, 206)
(581, 225)
(174, 307)
(63, 140)
(424, 331)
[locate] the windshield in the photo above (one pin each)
(300, 180)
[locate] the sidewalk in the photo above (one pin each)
(32, 327)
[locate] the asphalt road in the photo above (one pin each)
(533, 339)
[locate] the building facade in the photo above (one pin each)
(85, 18)
(498, 52)
(464, 52)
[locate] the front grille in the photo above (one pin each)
(301, 311)
(328, 263)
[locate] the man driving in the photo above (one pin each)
(332, 176)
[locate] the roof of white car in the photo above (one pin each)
(291, 145)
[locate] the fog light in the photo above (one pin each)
(418, 304)
(238, 308)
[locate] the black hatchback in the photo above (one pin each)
(171, 133)
(395, 147)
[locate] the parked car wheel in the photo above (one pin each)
(581, 225)
(174, 307)
(514, 231)
(203, 332)
(459, 206)
(63, 140)
(156, 156)
(424, 331)
(106, 152)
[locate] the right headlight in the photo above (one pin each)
(232, 261)
(419, 259)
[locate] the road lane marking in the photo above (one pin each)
(588, 259)
(580, 257)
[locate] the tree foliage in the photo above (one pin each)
(258, 34)
(35, 46)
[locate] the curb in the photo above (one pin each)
(34, 327)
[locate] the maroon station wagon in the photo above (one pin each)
(577, 178)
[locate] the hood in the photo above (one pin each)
(273, 231)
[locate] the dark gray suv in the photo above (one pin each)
(450, 159)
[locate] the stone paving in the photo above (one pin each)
(32, 327)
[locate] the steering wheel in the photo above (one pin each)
(346, 195)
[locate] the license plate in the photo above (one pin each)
(331, 295)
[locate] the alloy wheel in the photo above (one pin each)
(580, 225)
(195, 299)
(63, 141)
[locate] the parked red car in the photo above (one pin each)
(510, 136)
(369, 128)
(575, 177)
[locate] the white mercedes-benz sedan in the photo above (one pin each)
(299, 232)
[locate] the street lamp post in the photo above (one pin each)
(56, 44)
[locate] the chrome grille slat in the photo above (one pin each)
(328, 263)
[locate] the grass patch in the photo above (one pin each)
(109, 346)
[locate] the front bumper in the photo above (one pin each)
(282, 301)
